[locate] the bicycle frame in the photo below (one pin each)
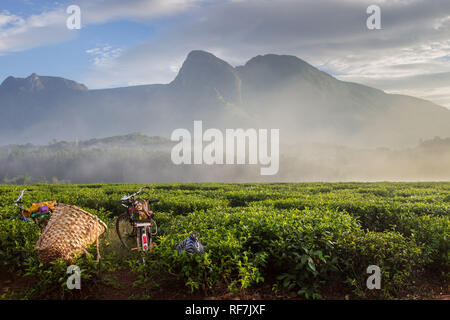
(143, 228)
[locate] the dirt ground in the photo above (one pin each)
(118, 285)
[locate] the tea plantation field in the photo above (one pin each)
(274, 241)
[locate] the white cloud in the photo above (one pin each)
(18, 33)
(8, 20)
(97, 11)
(103, 57)
(22, 33)
(330, 34)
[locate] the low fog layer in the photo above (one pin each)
(141, 159)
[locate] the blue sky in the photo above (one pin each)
(145, 41)
(69, 58)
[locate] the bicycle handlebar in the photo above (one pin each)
(126, 198)
(19, 199)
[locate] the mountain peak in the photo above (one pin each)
(201, 65)
(204, 71)
(8, 81)
(200, 54)
(36, 83)
(272, 57)
(264, 71)
(283, 66)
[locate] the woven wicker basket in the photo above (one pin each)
(70, 230)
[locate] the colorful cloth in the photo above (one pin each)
(35, 207)
(141, 210)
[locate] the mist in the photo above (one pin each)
(140, 159)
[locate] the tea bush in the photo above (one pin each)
(244, 246)
(400, 260)
(17, 242)
(296, 236)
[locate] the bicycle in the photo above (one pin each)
(136, 225)
(40, 216)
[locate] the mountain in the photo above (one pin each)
(269, 91)
(317, 106)
(204, 73)
(35, 83)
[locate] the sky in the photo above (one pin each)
(135, 42)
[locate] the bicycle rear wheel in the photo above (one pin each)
(126, 231)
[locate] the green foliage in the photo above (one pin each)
(17, 242)
(293, 236)
(187, 202)
(400, 260)
(51, 279)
